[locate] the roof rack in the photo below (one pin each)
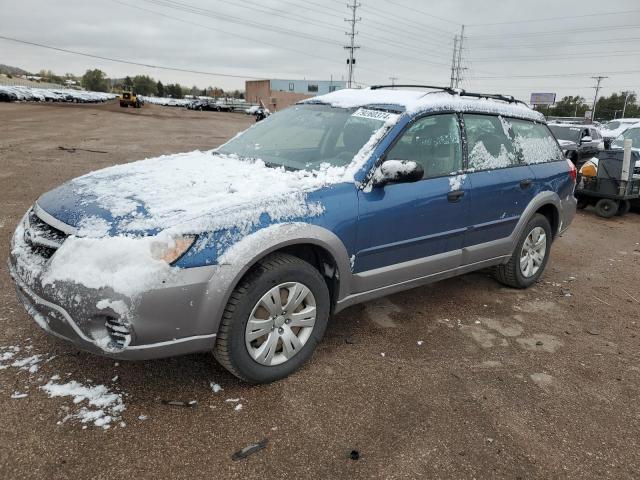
(458, 91)
(446, 89)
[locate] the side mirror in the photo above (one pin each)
(397, 171)
(586, 139)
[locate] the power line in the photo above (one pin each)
(548, 19)
(129, 62)
(554, 44)
(554, 57)
(563, 31)
(560, 75)
(424, 13)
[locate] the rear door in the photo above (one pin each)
(501, 186)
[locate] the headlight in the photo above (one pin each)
(171, 249)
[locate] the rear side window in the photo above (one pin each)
(534, 142)
(489, 144)
(434, 143)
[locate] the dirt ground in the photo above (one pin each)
(460, 379)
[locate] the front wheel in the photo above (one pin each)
(530, 256)
(274, 319)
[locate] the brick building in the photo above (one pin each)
(279, 94)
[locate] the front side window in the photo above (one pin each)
(434, 143)
(303, 137)
(488, 141)
(534, 142)
(563, 132)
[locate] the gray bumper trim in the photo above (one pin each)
(149, 346)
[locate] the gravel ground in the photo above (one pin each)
(460, 379)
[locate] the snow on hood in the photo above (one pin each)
(566, 143)
(418, 101)
(186, 192)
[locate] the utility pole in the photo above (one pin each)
(626, 99)
(352, 34)
(453, 60)
(459, 63)
(393, 81)
(599, 79)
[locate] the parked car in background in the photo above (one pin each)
(578, 142)
(246, 250)
(611, 130)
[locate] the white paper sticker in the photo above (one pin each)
(375, 114)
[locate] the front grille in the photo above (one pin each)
(119, 333)
(42, 237)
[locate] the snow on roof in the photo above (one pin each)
(414, 101)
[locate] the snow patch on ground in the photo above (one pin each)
(97, 404)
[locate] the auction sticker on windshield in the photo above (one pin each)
(375, 114)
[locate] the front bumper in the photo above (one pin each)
(175, 317)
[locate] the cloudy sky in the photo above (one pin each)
(511, 46)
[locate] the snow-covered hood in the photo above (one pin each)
(187, 193)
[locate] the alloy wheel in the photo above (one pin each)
(281, 323)
(533, 252)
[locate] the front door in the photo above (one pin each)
(411, 230)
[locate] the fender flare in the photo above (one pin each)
(244, 254)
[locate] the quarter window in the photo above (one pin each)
(534, 142)
(434, 143)
(489, 142)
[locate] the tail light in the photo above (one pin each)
(573, 172)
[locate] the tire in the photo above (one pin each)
(623, 207)
(511, 273)
(582, 204)
(606, 208)
(231, 349)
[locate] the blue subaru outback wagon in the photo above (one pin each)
(247, 250)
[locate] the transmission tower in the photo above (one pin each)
(459, 67)
(352, 34)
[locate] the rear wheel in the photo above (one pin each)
(274, 319)
(530, 256)
(606, 208)
(582, 203)
(623, 207)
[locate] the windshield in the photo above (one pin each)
(611, 125)
(304, 136)
(633, 134)
(566, 133)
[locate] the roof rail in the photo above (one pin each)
(446, 89)
(458, 91)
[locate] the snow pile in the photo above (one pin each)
(418, 101)
(203, 189)
(124, 264)
(455, 182)
(99, 405)
(30, 363)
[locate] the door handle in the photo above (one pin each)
(526, 183)
(455, 196)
